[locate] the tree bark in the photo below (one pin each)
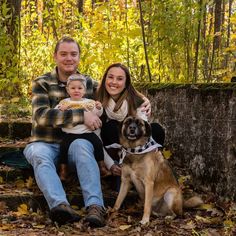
(217, 24)
(144, 41)
(195, 74)
(80, 5)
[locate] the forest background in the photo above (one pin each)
(162, 41)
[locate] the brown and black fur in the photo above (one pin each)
(150, 173)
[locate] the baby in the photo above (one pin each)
(76, 88)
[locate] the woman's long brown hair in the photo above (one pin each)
(133, 97)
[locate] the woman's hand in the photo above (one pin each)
(146, 106)
(115, 169)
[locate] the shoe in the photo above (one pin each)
(95, 216)
(63, 214)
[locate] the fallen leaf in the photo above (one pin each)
(182, 179)
(22, 210)
(189, 225)
(20, 183)
(6, 227)
(124, 227)
(29, 182)
(229, 223)
(166, 153)
(209, 220)
(39, 226)
(206, 206)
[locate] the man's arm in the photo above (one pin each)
(43, 112)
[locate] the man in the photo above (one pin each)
(43, 150)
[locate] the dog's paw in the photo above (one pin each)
(112, 210)
(144, 221)
(170, 217)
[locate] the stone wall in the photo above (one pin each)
(200, 124)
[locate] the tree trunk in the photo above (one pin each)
(80, 5)
(217, 24)
(205, 45)
(228, 31)
(13, 23)
(40, 14)
(195, 75)
(144, 41)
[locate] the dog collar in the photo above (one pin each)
(150, 145)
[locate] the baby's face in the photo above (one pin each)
(76, 90)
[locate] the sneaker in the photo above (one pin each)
(95, 216)
(63, 214)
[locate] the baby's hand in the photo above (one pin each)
(98, 105)
(63, 107)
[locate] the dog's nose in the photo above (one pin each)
(132, 128)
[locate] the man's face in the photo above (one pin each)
(67, 58)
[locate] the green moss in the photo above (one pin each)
(160, 86)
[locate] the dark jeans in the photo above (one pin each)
(91, 137)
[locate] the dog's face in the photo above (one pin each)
(134, 132)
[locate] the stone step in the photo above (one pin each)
(17, 186)
(10, 150)
(15, 129)
(13, 194)
(37, 201)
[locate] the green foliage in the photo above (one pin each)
(15, 107)
(8, 53)
(110, 31)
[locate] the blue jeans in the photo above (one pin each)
(44, 157)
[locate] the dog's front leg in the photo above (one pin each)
(124, 188)
(149, 185)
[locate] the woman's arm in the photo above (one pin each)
(110, 164)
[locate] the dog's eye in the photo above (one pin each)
(139, 122)
(128, 120)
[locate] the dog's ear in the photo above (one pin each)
(148, 129)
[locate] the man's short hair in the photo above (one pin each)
(66, 39)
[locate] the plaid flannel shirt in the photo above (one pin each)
(47, 122)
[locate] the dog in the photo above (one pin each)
(150, 173)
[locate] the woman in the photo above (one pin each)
(119, 99)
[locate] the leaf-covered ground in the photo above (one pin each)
(19, 217)
(214, 217)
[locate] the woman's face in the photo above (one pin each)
(115, 82)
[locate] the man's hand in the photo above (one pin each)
(92, 120)
(146, 106)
